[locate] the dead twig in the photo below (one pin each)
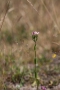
(46, 10)
(7, 8)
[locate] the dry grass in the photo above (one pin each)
(42, 16)
(18, 18)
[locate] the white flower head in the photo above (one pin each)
(35, 36)
(35, 33)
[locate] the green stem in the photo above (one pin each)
(35, 61)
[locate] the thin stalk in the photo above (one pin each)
(35, 61)
(7, 8)
(52, 18)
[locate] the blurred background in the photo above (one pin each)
(18, 19)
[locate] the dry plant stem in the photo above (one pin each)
(54, 12)
(3, 19)
(52, 18)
